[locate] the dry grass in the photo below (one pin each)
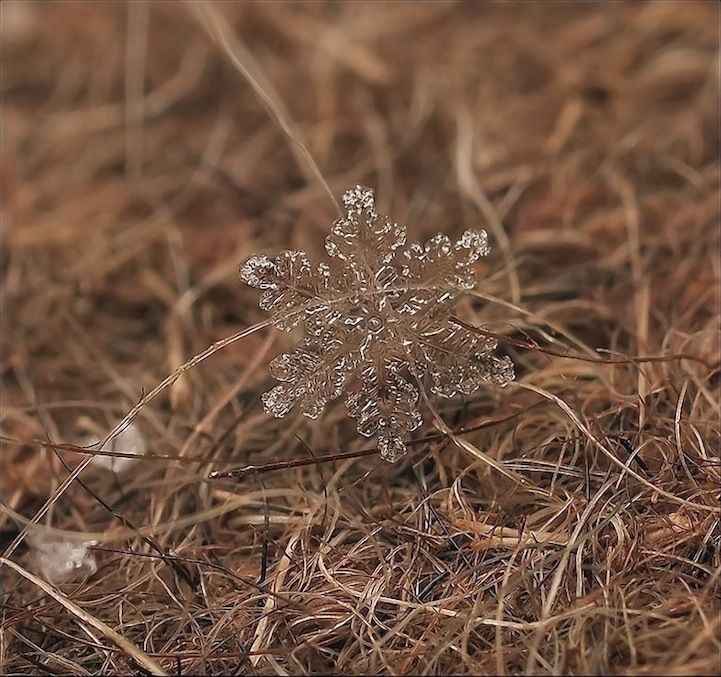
(140, 166)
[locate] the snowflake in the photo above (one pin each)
(377, 323)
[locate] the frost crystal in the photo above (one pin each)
(377, 325)
(60, 560)
(129, 440)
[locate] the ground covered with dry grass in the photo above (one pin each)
(143, 159)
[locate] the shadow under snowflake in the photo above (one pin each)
(378, 312)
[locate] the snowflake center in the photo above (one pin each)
(371, 317)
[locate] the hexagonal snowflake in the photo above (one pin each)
(376, 320)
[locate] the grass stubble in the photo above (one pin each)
(568, 523)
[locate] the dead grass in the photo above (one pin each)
(140, 167)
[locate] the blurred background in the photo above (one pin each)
(139, 164)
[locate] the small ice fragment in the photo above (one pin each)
(128, 441)
(61, 560)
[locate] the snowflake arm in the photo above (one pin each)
(457, 361)
(363, 240)
(290, 285)
(386, 405)
(436, 272)
(311, 375)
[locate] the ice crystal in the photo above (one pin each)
(377, 323)
(129, 440)
(60, 560)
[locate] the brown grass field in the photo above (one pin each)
(569, 524)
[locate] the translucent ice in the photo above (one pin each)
(376, 319)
